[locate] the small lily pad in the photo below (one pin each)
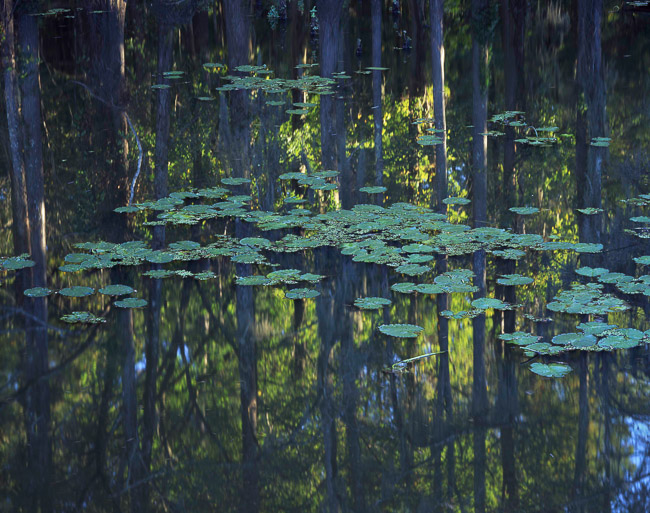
(235, 181)
(371, 303)
(77, 291)
(514, 279)
(373, 190)
(551, 370)
(116, 290)
(37, 292)
(301, 294)
(82, 317)
(131, 302)
(401, 330)
(453, 200)
(485, 303)
(253, 280)
(524, 211)
(589, 211)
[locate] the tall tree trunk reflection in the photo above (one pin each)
(591, 116)
(377, 93)
(438, 65)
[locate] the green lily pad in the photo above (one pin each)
(77, 291)
(643, 260)
(485, 303)
(131, 302)
(37, 292)
(514, 279)
(235, 181)
(524, 211)
(82, 317)
(412, 269)
(373, 190)
(589, 211)
(453, 200)
(640, 219)
(551, 370)
(371, 303)
(401, 330)
(15, 263)
(253, 280)
(116, 290)
(301, 294)
(404, 288)
(591, 271)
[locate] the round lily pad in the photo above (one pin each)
(404, 288)
(456, 201)
(514, 279)
(551, 370)
(82, 317)
(524, 211)
(235, 181)
(253, 280)
(373, 190)
(131, 302)
(401, 330)
(371, 303)
(37, 292)
(77, 291)
(301, 294)
(116, 290)
(485, 303)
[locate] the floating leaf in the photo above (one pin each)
(640, 219)
(551, 370)
(401, 330)
(373, 190)
(643, 260)
(486, 303)
(235, 181)
(456, 201)
(591, 271)
(15, 263)
(371, 303)
(412, 269)
(253, 280)
(514, 279)
(77, 291)
(301, 293)
(589, 211)
(116, 290)
(131, 302)
(37, 292)
(404, 288)
(82, 317)
(524, 211)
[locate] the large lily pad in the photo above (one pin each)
(116, 290)
(551, 370)
(401, 330)
(371, 303)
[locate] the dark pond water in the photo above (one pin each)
(507, 367)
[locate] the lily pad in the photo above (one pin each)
(253, 280)
(131, 302)
(485, 303)
(116, 290)
(524, 211)
(371, 303)
(37, 292)
(77, 291)
(235, 181)
(82, 317)
(373, 190)
(589, 211)
(401, 330)
(301, 294)
(551, 370)
(453, 200)
(514, 279)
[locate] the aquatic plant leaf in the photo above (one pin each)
(463, 314)
(524, 211)
(313, 278)
(591, 271)
(550, 370)
(116, 290)
(412, 269)
(253, 280)
(82, 317)
(429, 288)
(514, 279)
(452, 200)
(417, 248)
(373, 190)
(401, 330)
(131, 302)
(301, 294)
(486, 303)
(159, 257)
(371, 303)
(589, 211)
(643, 260)
(617, 342)
(157, 274)
(519, 338)
(37, 292)
(587, 247)
(77, 291)
(15, 263)
(126, 210)
(376, 68)
(595, 328)
(404, 288)
(235, 181)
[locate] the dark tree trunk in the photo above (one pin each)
(329, 18)
(579, 473)
(377, 93)
(591, 117)
(37, 358)
(438, 65)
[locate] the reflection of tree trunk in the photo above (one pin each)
(238, 37)
(350, 369)
(329, 16)
(438, 63)
(20, 223)
(507, 410)
(346, 189)
(163, 113)
(605, 395)
(327, 312)
(248, 392)
(480, 461)
(479, 113)
(377, 92)
(591, 117)
(37, 361)
(513, 16)
(583, 431)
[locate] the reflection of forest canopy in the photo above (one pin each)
(221, 394)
